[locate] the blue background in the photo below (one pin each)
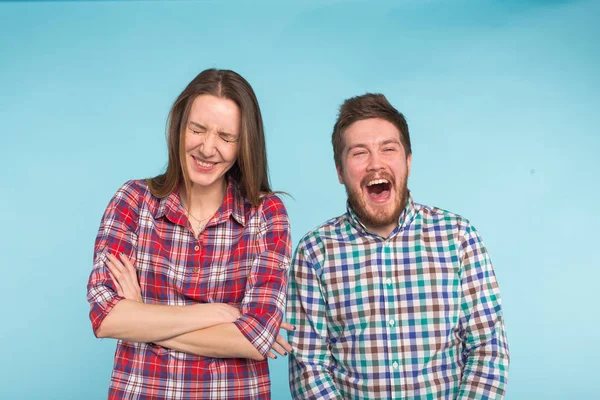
(502, 101)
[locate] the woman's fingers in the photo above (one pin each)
(287, 326)
(133, 279)
(114, 270)
(283, 344)
(125, 276)
(129, 267)
(117, 286)
(278, 349)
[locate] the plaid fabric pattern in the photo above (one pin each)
(240, 258)
(413, 316)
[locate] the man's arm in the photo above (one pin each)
(485, 350)
(310, 361)
(254, 333)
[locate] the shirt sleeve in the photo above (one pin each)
(310, 362)
(117, 234)
(264, 298)
(485, 350)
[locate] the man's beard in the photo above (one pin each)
(378, 216)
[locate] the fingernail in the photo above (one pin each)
(285, 353)
(294, 327)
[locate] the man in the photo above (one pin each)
(393, 299)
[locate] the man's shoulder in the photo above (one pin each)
(433, 214)
(439, 219)
(332, 229)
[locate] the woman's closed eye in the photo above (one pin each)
(228, 137)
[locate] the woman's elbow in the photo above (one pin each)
(101, 332)
(256, 356)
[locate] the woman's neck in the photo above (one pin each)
(203, 201)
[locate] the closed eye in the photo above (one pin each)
(197, 131)
(229, 138)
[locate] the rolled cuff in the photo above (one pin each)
(99, 311)
(261, 337)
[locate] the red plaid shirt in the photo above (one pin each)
(241, 258)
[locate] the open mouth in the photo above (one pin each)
(378, 189)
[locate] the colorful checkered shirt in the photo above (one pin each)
(413, 316)
(241, 258)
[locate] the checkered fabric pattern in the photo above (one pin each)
(241, 258)
(413, 316)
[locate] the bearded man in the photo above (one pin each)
(393, 299)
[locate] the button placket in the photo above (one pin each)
(197, 249)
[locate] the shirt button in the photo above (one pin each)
(389, 281)
(395, 365)
(392, 322)
(197, 248)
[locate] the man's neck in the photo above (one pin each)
(381, 230)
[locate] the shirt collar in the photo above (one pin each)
(233, 206)
(406, 216)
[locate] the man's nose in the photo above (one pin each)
(375, 163)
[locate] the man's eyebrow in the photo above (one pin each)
(390, 141)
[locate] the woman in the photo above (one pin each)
(190, 266)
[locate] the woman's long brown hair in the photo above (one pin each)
(250, 170)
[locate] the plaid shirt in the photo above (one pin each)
(416, 315)
(241, 258)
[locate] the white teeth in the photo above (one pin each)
(377, 182)
(204, 164)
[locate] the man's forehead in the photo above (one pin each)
(369, 131)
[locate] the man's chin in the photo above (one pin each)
(378, 216)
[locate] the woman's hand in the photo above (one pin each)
(123, 275)
(281, 346)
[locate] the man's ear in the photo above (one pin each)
(408, 162)
(339, 172)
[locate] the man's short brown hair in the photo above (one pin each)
(369, 105)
